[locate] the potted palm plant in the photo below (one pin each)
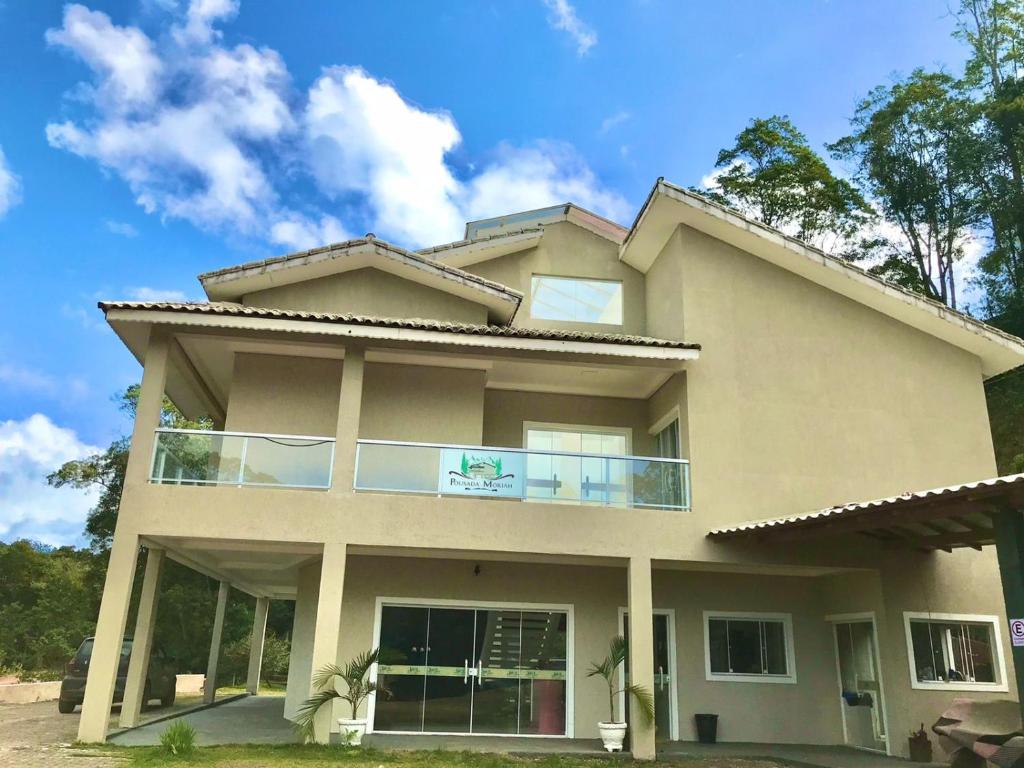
(613, 732)
(356, 676)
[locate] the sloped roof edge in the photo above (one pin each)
(886, 296)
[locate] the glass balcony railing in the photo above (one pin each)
(193, 457)
(512, 473)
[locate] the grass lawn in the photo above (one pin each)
(312, 756)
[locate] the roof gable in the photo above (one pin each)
(669, 206)
(232, 283)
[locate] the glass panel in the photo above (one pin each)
(212, 458)
(449, 691)
(496, 697)
(397, 468)
(744, 647)
(576, 300)
(542, 676)
(774, 634)
(718, 645)
(402, 668)
(929, 656)
(980, 653)
(953, 652)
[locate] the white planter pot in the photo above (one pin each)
(352, 731)
(612, 734)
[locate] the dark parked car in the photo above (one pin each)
(160, 682)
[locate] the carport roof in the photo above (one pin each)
(938, 518)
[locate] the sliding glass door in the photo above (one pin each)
(472, 670)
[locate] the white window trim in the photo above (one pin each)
(580, 278)
(724, 677)
(664, 421)
(549, 426)
(1000, 686)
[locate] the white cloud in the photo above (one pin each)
(10, 186)
(29, 450)
(144, 293)
(210, 134)
(563, 17)
(614, 120)
(122, 228)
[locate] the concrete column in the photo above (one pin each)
(142, 640)
(641, 652)
(328, 625)
(106, 650)
(1009, 528)
(347, 431)
(259, 634)
(147, 412)
(210, 689)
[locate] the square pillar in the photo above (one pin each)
(259, 634)
(641, 652)
(106, 649)
(346, 433)
(148, 408)
(1009, 529)
(142, 640)
(210, 687)
(328, 626)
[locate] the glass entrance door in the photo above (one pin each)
(466, 670)
(860, 685)
(664, 699)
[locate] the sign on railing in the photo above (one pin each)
(485, 473)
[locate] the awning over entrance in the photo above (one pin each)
(935, 519)
(973, 515)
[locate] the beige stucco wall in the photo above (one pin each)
(505, 411)
(422, 404)
(284, 395)
(369, 292)
(567, 250)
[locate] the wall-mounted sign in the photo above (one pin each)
(1017, 631)
(466, 472)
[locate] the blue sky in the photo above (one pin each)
(144, 142)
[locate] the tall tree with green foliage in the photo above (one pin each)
(772, 174)
(916, 151)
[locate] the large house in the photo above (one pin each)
(489, 457)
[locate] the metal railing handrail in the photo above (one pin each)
(571, 454)
(269, 435)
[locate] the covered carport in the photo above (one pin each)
(975, 515)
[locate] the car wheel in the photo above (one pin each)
(168, 698)
(65, 707)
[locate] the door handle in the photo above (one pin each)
(661, 676)
(480, 673)
(465, 671)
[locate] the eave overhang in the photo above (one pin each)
(668, 206)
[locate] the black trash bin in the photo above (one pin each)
(707, 728)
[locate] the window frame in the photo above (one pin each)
(786, 619)
(998, 663)
(579, 279)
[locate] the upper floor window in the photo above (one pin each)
(576, 300)
(955, 652)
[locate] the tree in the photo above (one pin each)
(772, 174)
(915, 150)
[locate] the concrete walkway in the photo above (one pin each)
(802, 754)
(250, 720)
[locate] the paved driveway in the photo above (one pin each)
(37, 736)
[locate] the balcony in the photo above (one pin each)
(194, 457)
(525, 475)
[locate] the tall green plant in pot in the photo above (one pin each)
(358, 687)
(613, 731)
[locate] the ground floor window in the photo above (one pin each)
(749, 647)
(955, 651)
(453, 669)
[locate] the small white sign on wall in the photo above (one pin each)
(1017, 631)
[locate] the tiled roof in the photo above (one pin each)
(483, 239)
(854, 508)
(226, 308)
(329, 251)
